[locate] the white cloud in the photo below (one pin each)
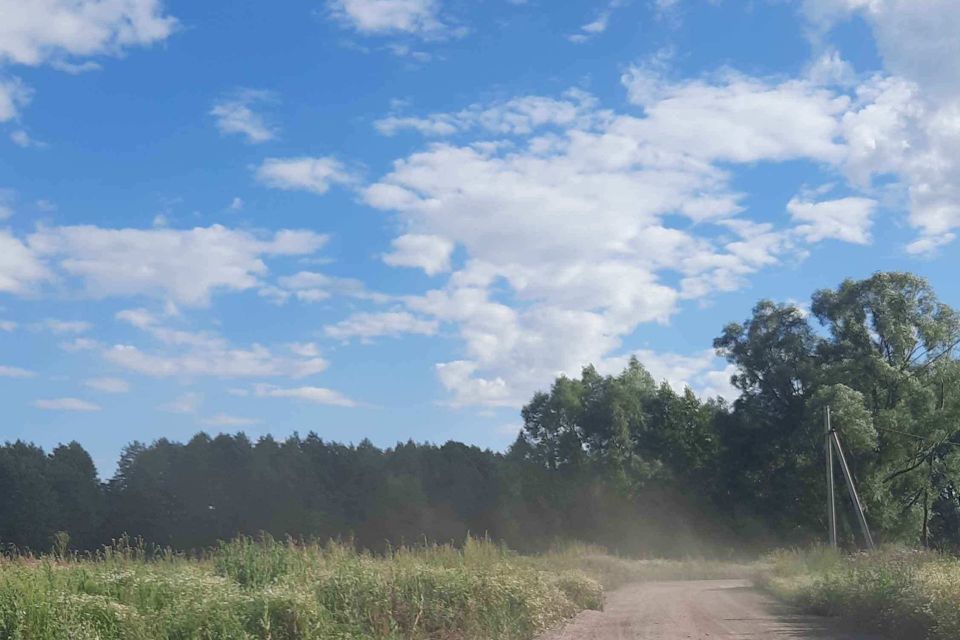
(143, 319)
(66, 404)
(312, 286)
(380, 17)
(847, 219)
(235, 115)
(831, 69)
(22, 139)
(15, 372)
(65, 326)
(906, 121)
(14, 95)
(703, 372)
(929, 244)
(79, 344)
(44, 30)
(61, 32)
(305, 349)
(236, 204)
(737, 118)
(224, 420)
(430, 253)
(911, 36)
(317, 395)
(8, 325)
(517, 116)
(186, 403)
(460, 379)
(570, 235)
(367, 326)
(183, 266)
(7, 197)
(20, 268)
(599, 24)
(108, 385)
(216, 360)
(189, 354)
(303, 174)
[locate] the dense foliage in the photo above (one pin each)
(619, 460)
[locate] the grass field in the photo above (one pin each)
(284, 591)
(906, 594)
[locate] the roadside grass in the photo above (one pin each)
(267, 589)
(902, 593)
(614, 571)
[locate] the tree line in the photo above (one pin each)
(619, 460)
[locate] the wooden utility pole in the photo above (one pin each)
(853, 491)
(831, 501)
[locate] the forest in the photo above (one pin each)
(619, 460)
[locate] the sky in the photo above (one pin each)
(398, 219)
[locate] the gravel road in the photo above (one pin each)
(704, 609)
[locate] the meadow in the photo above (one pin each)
(268, 589)
(902, 592)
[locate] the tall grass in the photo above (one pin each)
(906, 593)
(267, 589)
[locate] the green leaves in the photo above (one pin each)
(849, 417)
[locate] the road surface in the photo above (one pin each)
(697, 610)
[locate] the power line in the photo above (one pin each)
(916, 437)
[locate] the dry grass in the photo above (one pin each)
(905, 593)
(270, 590)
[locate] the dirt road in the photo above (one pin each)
(697, 610)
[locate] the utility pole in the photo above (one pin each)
(853, 491)
(831, 501)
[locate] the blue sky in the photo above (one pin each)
(398, 219)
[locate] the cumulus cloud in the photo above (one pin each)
(737, 118)
(389, 17)
(847, 219)
(66, 404)
(44, 30)
(430, 253)
(565, 229)
(64, 32)
(315, 175)
(235, 114)
(367, 326)
(183, 266)
(905, 120)
(316, 395)
(20, 269)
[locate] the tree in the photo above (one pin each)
(80, 503)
